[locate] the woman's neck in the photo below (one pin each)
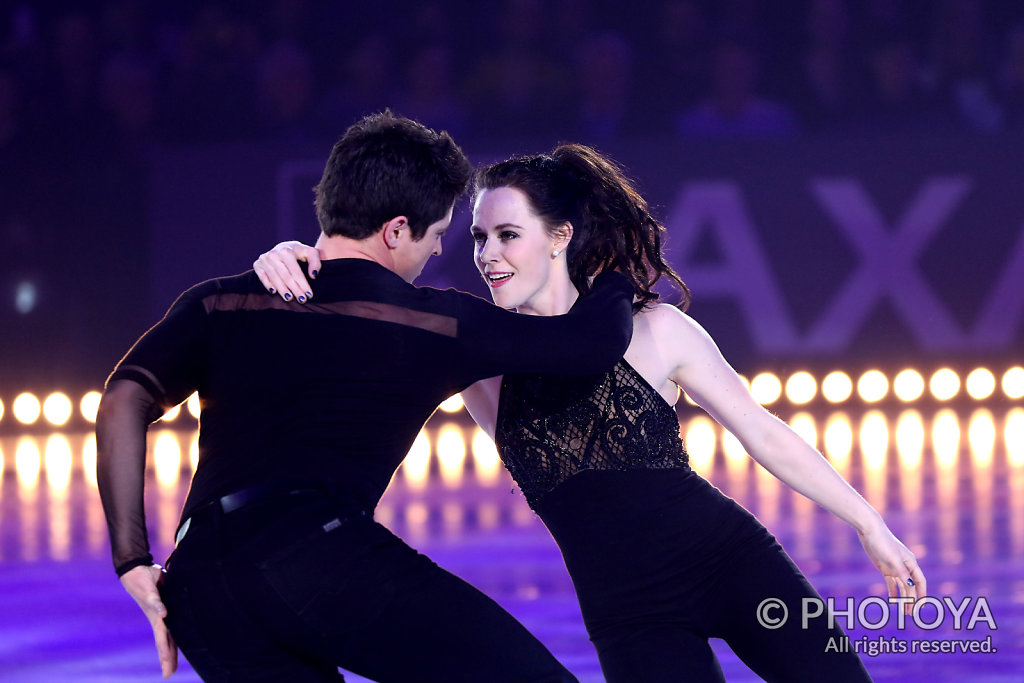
(556, 298)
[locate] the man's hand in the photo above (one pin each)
(141, 584)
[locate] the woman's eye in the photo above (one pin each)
(508, 235)
(478, 237)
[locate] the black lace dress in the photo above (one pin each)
(661, 560)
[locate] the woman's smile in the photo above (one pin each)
(497, 278)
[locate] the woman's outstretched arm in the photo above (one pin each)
(698, 367)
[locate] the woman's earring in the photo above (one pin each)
(555, 253)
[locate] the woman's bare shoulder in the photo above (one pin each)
(666, 319)
(677, 336)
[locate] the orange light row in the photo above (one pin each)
(57, 409)
(800, 388)
(908, 386)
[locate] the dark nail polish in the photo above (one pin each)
(287, 296)
(302, 299)
(272, 290)
(309, 295)
(313, 273)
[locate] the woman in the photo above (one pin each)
(660, 559)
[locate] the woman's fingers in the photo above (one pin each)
(279, 271)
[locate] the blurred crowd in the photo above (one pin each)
(137, 71)
(89, 87)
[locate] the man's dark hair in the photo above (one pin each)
(386, 166)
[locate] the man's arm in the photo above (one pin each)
(123, 418)
(589, 339)
(124, 415)
(159, 371)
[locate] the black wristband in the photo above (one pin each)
(126, 567)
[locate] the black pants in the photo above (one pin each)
(668, 650)
(662, 561)
(293, 587)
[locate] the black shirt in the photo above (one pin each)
(334, 390)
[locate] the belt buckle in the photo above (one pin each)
(182, 530)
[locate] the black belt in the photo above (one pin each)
(240, 499)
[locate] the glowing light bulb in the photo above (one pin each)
(837, 387)
(416, 466)
(167, 458)
(26, 408)
(946, 438)
(1013, 436)
(910, 438)
(766, 388)
(733, 448)
(700, 443)
(452, 404)
(26, 295)
(981, 436)
(908, 385)
(451, 454)
(194, 409)
(838, 439)
(486, 462)
(981, 384)
(57, 409)
(90, 405)
(872, 386)
(58, 461)
(804, 425)
(27, 462)
(801, 388)
(1013, 383)
(874, 439)
(89, 459)
(417, 515)
(944, 384)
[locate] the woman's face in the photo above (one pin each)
(514, 248)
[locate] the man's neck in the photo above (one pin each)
(370, 249)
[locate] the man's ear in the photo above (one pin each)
(395, 230)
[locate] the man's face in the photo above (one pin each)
(411, 255)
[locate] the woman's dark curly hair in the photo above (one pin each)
(612, 226)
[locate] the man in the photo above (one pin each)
(280, 572)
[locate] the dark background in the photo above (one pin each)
(147, 145)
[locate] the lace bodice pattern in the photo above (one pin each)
(551, 427)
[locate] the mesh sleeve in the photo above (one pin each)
(125, 412)
(162, 368)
